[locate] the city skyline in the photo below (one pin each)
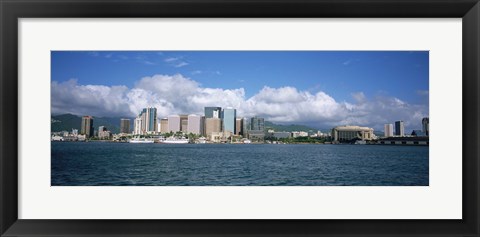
(371, 88)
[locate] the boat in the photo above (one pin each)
(140, 140)
(175, 140)
(246, 141)
(201, 140)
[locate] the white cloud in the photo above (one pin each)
(70, 97)
(359, 97)
(176, 62)
(169, 60)
(176, 94)
(180, 64)
(346, 63)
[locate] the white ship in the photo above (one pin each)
(246, 141)
(201, 140)
(140, 140)
(174, 140)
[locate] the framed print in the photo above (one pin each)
(239, 118)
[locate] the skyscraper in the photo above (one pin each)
(213, 112)
(229, 116)
(87, 126)
(184, 123)
(212, 125)
(149, 120)
(399, 128)
(173, 123)
(389, 130)
(137, 126)
(124, 125)
(194, 124)
(257, 124)
(245, 126)
(164, 125)
(425, 126)
(239, 126)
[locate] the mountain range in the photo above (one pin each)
(67, 122)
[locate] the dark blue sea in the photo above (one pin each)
(122, 164)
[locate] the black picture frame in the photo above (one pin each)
(11, 11)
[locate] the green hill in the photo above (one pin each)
(67, 122)
(288, 128)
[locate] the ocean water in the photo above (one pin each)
(125, 164)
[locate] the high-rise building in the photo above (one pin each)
(245, 126)
(399, 128)
(159, 126)
(194, 124)
(137, 126)
(389, 130)
(174, 123)
(164, 125)
(87, 126)
(149, 120)
(212, 125)
(229, 116)
(425, 126)
(257, 124)
(184, 123)
(239, 126)
(124, 125)
(213, 112)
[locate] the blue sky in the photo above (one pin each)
(351, 78)
(397, 73)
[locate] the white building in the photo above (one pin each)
(164, 125)
(299, 134)
(105, 134)
(389, 130)
(173, 123)
(348, 133)
(137, 126)
(194, 124)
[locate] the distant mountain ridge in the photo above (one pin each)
(288, 128)
(67, 122)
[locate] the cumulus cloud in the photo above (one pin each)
(70, 97)
(177, 94)
(359, 97)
